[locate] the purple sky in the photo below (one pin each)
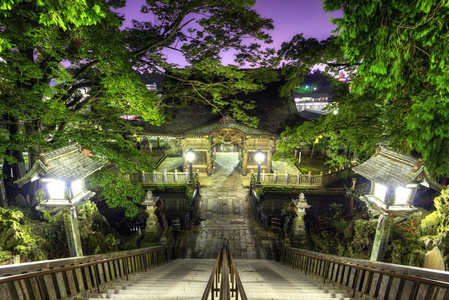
(290, 17)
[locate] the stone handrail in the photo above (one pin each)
(65, 278)
(160, 177)
(375, 279)
(298, 179)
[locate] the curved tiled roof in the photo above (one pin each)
(390, 168)
(211, 126)
(68, 163)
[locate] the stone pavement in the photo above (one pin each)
(224, 212)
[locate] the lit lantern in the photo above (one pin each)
(395, 177)
(259, 157)
(190, 157)
(62, 173)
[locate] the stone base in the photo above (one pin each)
(150, 240)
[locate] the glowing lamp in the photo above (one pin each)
(190, 157)
(259, 157)
(56, 189)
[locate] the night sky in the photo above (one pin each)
(290, 17)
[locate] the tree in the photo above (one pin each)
(75, 84)
(300, 55)
(350, 130)
(61, 13)
(316, 81)
(354, 128)
(401, 48)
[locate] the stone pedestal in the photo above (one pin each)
(72, 232)
(381, 238)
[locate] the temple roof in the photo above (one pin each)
(68, 163)
(274, 114)
(391, 168)
(225, 122)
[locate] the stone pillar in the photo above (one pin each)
(381, 238)
(245, 162)
(209, 162)
(269, 163)
(72, 232)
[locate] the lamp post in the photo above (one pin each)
(62, 173)
(67, 195)
(390, 201)
(190, 157)
(259, 157)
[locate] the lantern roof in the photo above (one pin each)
(68, 164)
(393, 169)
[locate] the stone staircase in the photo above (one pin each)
(179, 279)
(187, 279)
(266, 279)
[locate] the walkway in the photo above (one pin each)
(224, 212)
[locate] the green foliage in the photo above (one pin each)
(60, 13)
(338, 209)
(404, 243)
(117, 191)
(17, 237)
(442, 205)
(431, 223)
(401, 50)
(353, 131)
(69, 73)
(300, 55)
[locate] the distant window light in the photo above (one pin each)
(128, 117)
(152, 86)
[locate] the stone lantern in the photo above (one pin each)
(62, 173)
(299, 206)
(394, 178)
(153, 226)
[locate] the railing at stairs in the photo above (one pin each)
(224, 282)
(64, 278)
(375, 279)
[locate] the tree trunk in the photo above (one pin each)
(15, 170)
(32, 128)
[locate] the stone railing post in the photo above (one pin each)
(187, 176)
(165, 176)
(154, 176)
(275, 177)
(143, 177)
(176, 175)
(310, 177)
(322, 179)
(298, 178)
(286, 177)
(262, 177)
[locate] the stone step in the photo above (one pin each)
(263, 279)
(187, 278)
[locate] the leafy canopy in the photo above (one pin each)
(70, 72)
(402, 48)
